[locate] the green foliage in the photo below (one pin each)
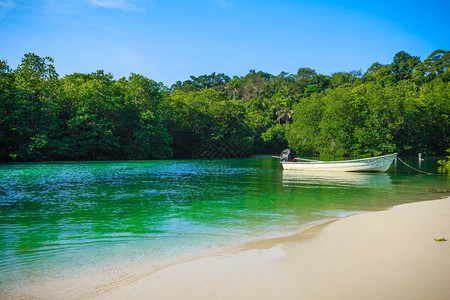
(434, 66)
(399, 107)
(441, 240)
(81, 116)
(206, 124)
(317, 83)
(445, 163)
(370, 119)
(275, 137)
(7, 109)
(253, 85)
(303, 135)
(216, 81)
(403, 65)
(32, 120)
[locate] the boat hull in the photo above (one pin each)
(372, 164)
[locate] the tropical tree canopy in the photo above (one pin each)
(400, 107)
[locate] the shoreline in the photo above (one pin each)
(374, 255)
(380, 254)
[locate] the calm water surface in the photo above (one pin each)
(59, 218)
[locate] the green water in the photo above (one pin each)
(59, 218)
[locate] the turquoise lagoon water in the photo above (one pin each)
(59, 218)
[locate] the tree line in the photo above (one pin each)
(400, 107)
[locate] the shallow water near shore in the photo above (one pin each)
(60, 219)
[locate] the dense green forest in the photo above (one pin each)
(400, 107)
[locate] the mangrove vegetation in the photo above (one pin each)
(400, 107)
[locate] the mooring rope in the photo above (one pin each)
(413, 167)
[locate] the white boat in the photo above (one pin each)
(372, 164)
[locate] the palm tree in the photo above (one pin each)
(276, 104)
(281, 103)
(233, 84)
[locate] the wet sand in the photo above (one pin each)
(377, 255)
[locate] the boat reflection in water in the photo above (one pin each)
(336, 179)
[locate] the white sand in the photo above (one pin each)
(379, 255)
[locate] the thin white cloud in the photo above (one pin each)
(5, 6)
(7, 3)
(221, 3)
(126, 5)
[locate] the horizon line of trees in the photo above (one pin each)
(400, 107)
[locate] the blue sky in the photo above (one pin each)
(169, 40)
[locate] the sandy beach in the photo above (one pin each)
(377, 255)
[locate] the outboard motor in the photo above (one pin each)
(288, 155)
